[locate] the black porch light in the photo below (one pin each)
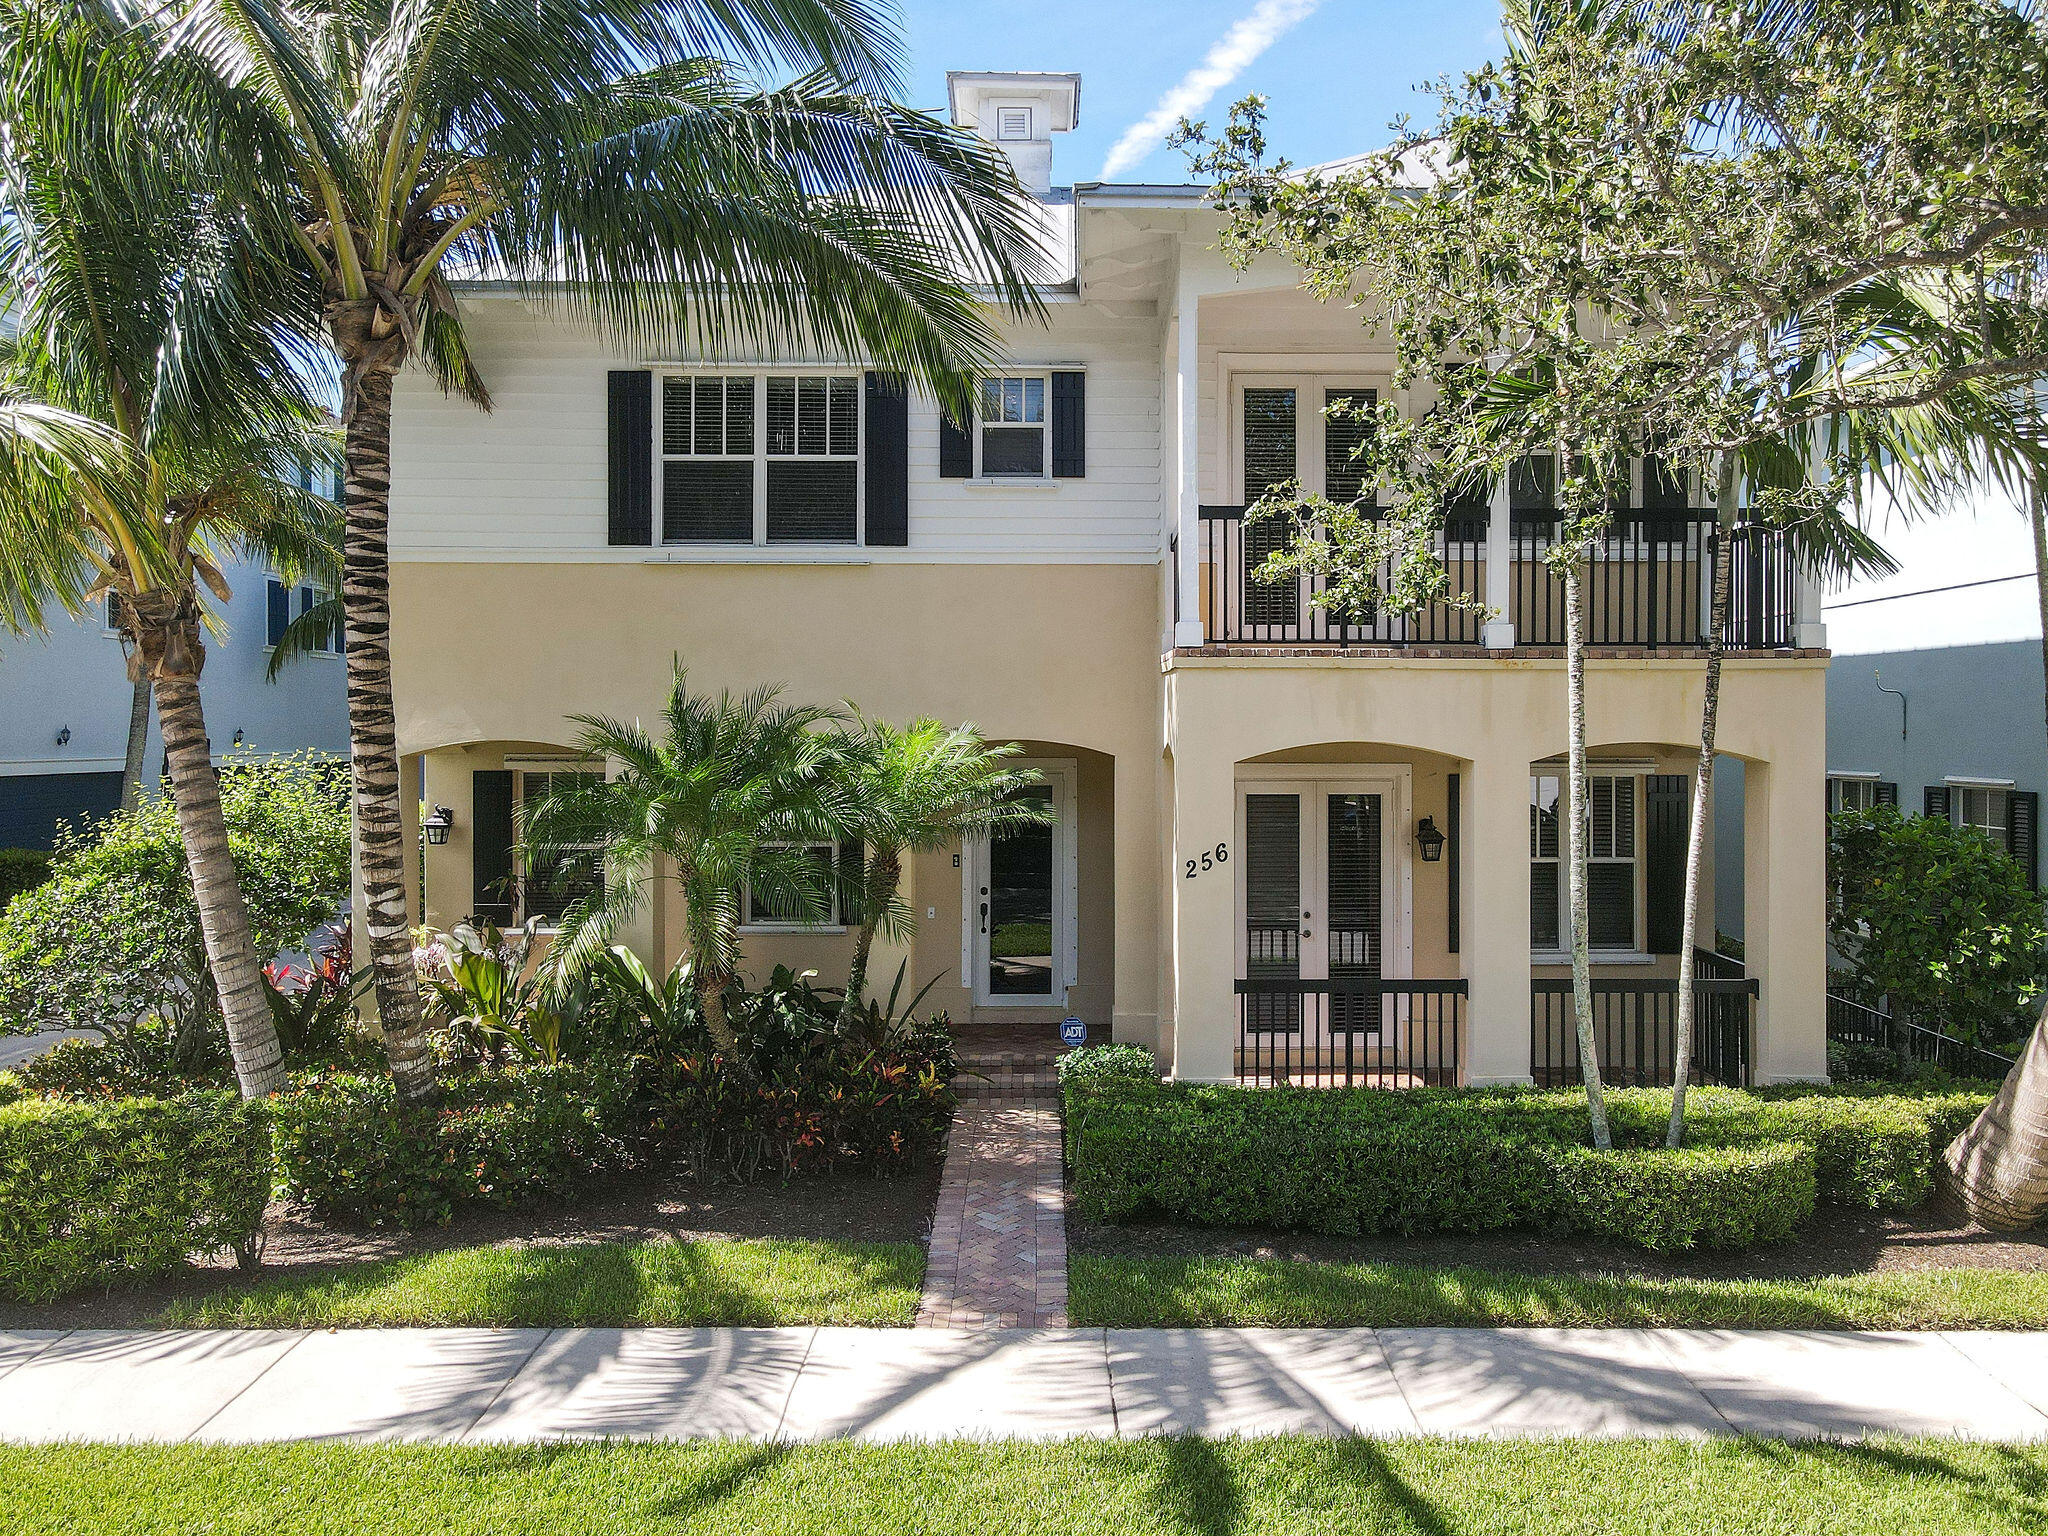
(1429, 840)
(439, 824)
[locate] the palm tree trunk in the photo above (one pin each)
(223, 919)
(1998, 1167)
(1725, 501)
(138, 743)
(711, 1003)
(884, 872)
(372, 728)
(1575, 846)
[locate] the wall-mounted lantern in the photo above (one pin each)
(238, 737)
(1428, 840)
(439, 824)
(64, 736)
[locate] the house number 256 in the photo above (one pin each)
(1210, 858)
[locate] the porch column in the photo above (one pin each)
(1204, 920)
(1784, 846)
(450, 872)
(1495, 923)
(1187, 629)
(1134, 1010)
(410, 771)
(1498, 633)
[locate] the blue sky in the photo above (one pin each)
(1336, 71)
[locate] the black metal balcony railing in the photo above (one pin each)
(1851, 1023)
(1635, 1027)
(1647, 583)
(1349, 1032)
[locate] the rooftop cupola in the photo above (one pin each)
(1019, 113)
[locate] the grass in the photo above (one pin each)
(1284, 1293)
(1152, 1487)
(758, 1282)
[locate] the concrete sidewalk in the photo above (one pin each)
(493, 1385)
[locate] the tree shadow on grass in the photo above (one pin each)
(2010, 1481)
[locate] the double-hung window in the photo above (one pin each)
(549, 883)
(764, 910)
(1014, 437)
(760, 458)
(285, 605)
(1852, 792)
(1983, 806)
(1613, 885)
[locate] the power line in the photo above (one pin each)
(1890, 597)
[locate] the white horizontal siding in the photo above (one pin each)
(527, 479)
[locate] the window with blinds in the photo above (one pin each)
(1612, 877)
(763, 912)
(1347, 428)
(1352, 923)
(550, 884)
(1014, 426)
(1272, 881)
(749, 458)
(1271, 438)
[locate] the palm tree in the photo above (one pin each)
(918, 790)
(735, 793)
(144, 304)
(615, 157)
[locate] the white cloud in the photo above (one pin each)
(1232, 54)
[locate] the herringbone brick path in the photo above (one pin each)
(998, 1254)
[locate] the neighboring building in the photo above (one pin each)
(1287, 841)
(65, 699)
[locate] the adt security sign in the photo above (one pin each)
(1073, 1031)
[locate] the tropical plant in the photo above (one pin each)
(921, 789)
(493, 997)
(113, 942)
(733, 794)
(315, 1005)
(143, 299)
(618, 160)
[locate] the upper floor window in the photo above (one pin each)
(1612, 885)
(1014, 426)
(1984, 807)
(285, 605)
(768, 458)
(1859, 792)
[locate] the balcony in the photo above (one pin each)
(1648, 584)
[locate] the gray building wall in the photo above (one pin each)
(1974, 711)
(75, 678)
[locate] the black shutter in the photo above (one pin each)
(1069, 426)
(2022, 821)
(280, 600)
(629, 462)
(1934, 801)
(1885, 794)
(490, 842)
(1667, 807)
(956, 449)
(888, 463)
(1451, 855)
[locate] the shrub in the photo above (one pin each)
(111, 942)
(12, 1088)
(21, 869)
(1107, 1066)
(498, 1139)
(1939, 919)
(93, 1191)
(1696, 1197)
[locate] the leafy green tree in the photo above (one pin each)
(620, 162)
(144, 302)
(1939, 920)
(919, 789)
(113, 942)
(733, 793)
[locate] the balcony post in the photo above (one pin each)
(1187, 628)
(1495, 882)
(1498, 633)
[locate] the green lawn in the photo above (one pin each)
(753, 1282)
(1279, 1293)
(1167, 1487)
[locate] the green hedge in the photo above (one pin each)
(1107, 1066)
(131, 1187)
(1428, 1160)
(498, 1139)
(21, 869)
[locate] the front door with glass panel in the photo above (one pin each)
(1313, 896)
(1020, 895)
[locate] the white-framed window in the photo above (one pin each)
(1013, 434)
(1852, 791)
(1987, 807)
(760, 458)
(547, 885)
(759, 913)
(285, 604)
(1614, 887)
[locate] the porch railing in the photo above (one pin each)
(1853, 1023)
(1350, 1033)
(1635, 1030)
(1648, 582)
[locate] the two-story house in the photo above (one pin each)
(1288, 842)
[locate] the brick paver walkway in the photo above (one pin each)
(998, 1256)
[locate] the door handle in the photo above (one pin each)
(984, 917)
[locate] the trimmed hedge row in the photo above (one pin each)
(498, 1139)
(130, 1187)
(1426, 1160)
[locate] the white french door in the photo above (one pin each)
(1020, 897)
